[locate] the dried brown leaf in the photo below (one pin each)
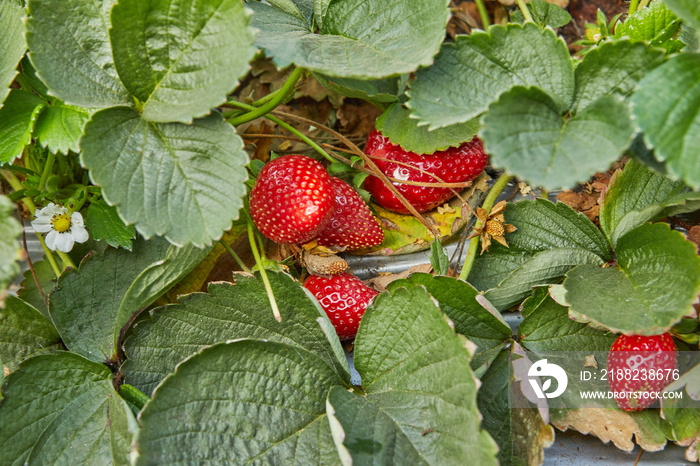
(357, 118)
(609, 425)
(381, 282)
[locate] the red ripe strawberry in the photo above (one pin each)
(293, 199)
(353, 226)
(640, 365)
(344, 298)
(453, 165)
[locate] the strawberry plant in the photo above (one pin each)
(192, 176)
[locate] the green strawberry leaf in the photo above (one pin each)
(525, 134)
(92, 304)
(683, 412)
(12, 44)
(190, 64)
(29, 290)
(655, 25)
(613, 68)
(230, 311)
(544, 14)
(690, 37)
(413, 366)
(472, 316)
(30, 78)
(438, 258)
(688, 10)
(10, 251)
(521, 433)
(184, 182)
(548, 328)
(691, 381)
(60, 126)
(24, 332)
(667, 109)
(638, 195)
(380, 92)
(396, 124)
(473, 72)
(653, 287)
(356, 38)
(523, 270)
(241, 402)
(18, 116)
(550, 239)
(72, 54)
(62, 408)
(104, 223)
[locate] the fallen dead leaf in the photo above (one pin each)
(381, 282)
(524, 188)
(310, 87)
(357, 117)
(579, 201)
(608, 425)
(262, 145)
(694, 236)
(591, 362)
(691, 454)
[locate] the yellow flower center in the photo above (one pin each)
(494, 228)
(61, 222)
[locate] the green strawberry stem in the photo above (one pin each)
(289, 128)
(67, 261)
(234, 255)
(239, 111)
(17, 186)
(47, 170)
(271, 104)
(633, 6)
(263, 274)
(484, 14)
(133, 395)
(487, 206)
(525, 10)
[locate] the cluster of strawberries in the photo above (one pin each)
(296, 201)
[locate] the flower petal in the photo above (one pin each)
(51, 210)
(77, 219)
(65, 242)
(80, 234)
(42, 225)
(51, 239)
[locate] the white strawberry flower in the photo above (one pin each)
(63, 230)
